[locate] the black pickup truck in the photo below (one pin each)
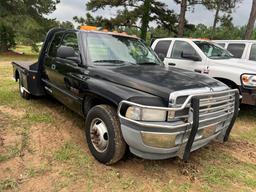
(127, 96)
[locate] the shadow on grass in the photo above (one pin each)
(247, 110)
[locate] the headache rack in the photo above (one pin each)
(195, 115)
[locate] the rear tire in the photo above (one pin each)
(232, 85)
(103, 134)
(23, 93)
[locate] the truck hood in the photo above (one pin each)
(154, 79)
(244, 66)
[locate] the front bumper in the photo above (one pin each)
(161, 140)
(249, 96)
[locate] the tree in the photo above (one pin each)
(251, 21)
(136, 13)
(97, 21)
(219, 6)
(6, 37)
(65, 24)
(25, 18)
(167, 21)
(184, 6)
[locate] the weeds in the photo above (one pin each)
(8, 184)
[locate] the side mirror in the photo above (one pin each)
(189, 55)
(69, 53)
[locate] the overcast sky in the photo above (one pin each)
(67, 9)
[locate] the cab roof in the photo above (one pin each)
(185, 39)
(94, 29)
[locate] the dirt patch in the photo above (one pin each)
(12, 112)
(11, 53)
(242, 150)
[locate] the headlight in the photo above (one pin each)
(249, 80)
(143, 114)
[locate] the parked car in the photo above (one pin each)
(208, 58)
(241, 49)
(127, 96)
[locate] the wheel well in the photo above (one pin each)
(90, 101)
(17, 75)
(228, 82)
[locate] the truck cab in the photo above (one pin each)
(241, 49)
(127, 96)
(205, 57)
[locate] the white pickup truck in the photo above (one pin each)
(206, 57)
(242, 49)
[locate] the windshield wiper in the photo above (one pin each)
(111, 61)
(147, 63)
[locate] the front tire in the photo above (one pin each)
(103, 134)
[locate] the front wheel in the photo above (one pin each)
(104, 135)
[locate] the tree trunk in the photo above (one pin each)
(215, 21)
(145, 19)
(250, 25)
(183, 9)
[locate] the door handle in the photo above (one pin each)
(198, 70)
(172, 64)
(53, 66)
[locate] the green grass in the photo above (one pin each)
(8, 184)
(27, 50)
(37, 171)
(184, 187)
(11, 152)
(227, 171)
(77, 166)
(39, 117)
(27, 56)
(71, 153)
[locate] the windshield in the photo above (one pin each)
(105, 49)
(213, 51)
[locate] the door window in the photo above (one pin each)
(55, 44)
(162, 48)
(179, 47)
(236, 49)
(253, 53)
(221, 44)
(70, 40)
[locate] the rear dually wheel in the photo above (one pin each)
(23, 93)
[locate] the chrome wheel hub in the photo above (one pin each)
(99, 135)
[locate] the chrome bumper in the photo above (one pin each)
(211, 116)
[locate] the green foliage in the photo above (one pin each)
(133, 14)
(65, 24)
(25, 19)
(220, 6)
(6, 37)
(97, 21)
(222, 32)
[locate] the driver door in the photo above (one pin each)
(176, 58)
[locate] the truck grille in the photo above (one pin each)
(215, 113)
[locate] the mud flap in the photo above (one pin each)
(185, 148)
(223, 137)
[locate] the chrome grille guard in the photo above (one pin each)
(227, 101)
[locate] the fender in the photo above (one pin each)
(96, 91)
